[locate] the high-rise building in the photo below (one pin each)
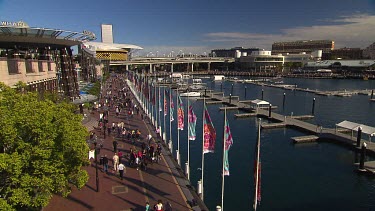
(107, 35)
(300, 46)
(369, 52)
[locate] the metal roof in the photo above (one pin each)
(354, 127)
(110, 46)
(21, 32)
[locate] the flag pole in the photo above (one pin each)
(203, 119)
(164, 114)
(178, 132)
(257, 169)
(170, 118)
(160, 132)
(156, 109)
(223, 176)
(188, 141)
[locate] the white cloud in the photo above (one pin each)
(353, 31)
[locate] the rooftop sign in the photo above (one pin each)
(19, 24)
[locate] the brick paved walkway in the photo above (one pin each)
(161, 180)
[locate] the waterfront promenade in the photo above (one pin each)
(160, 181)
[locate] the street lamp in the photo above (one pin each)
(96, 167)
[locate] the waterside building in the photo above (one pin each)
(300, 46)
(40, 57)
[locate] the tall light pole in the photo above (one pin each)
(96, 168)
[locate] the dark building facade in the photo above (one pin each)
(300, 46)
(346, 53)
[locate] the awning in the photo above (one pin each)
(354, 127)
(260, 102)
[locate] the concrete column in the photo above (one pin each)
(363, 157)
(192, 67)
(172, 68)
(150, 68)
(209, 66)
(127, 67)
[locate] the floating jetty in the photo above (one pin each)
(228, 108)
(245, 115)
(214, 102)
(305, 139)
(303, 117)
(273, 125)
(370, 167)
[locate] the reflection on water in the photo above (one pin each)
(317, 176)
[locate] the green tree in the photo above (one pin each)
(42, 149)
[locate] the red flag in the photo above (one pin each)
(209, 133)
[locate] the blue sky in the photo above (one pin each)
(199, 26)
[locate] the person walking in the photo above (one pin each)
(115, 159)
(105, 163)
(121, 169)
(148, 208)
(149, 138)
(159, 206)
(114, 146)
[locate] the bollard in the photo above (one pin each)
(187, 170)
(359, 136)
(269, 111)
(178, 157)
(262, 93)
(283, 100)
(231, 91)
(245, 92)
(230, 98)
(372, 94)
(199, 188)
(218, 208)
(363, 157)
(164, 137)
(170, 145)
(313, 107)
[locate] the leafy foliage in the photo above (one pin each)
(42, 149)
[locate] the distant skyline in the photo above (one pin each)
(200, 26)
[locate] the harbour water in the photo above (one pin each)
(316, 176)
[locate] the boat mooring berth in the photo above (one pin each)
(269, 116)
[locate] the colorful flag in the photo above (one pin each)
(209, 133)
(180, 114)
(192, 121)
(171, 106)
(257, 172)
(165, 103)
(228, 141)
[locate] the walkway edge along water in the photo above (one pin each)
(183, 183)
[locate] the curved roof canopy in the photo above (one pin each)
(22, 33)
(110, 46)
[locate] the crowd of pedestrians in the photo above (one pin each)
(117, 107)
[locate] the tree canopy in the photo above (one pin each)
(42, 150)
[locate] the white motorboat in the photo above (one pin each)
(190, 94)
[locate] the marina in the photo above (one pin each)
(293, 120)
